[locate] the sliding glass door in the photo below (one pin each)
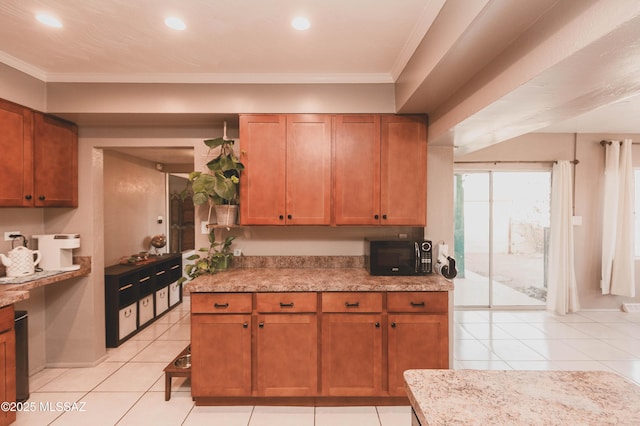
(501, 238)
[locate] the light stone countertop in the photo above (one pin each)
(12, 293)
(474, 397)
(311, 279)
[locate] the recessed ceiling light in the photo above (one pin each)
(300, 23)
(175, 23)
(49, 20)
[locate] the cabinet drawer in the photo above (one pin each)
(221, 303)
(127, 290)
(162, 300)
(127, 321)
(418, 301)
(145, 283)
(351, 302)
(145, 307)
(174, 269)
(286, 302)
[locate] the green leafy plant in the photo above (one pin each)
(215, 258)
(218, 185)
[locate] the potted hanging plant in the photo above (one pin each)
(218, 186)
(209, 260)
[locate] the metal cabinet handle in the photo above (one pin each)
(175, 267)
(245, 325)
(351, 305)
(160, 273)
(221, 305)
(377, 325)
(417, 304)
(286, 305)
(41, 198)
(384, 216)
(375, 216)
(28, 197)
(125, 287)
(281, 217)
(289, 216)
(393, 325)
(144, 279)
(261, 325)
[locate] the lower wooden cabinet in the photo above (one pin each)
(308, 346)
(221, 355)
(287, 355)
(7, 363)
(351, 355)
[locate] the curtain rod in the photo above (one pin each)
(603, 143)
(513, 162)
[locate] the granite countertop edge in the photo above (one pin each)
(13, 293)
(243, 280)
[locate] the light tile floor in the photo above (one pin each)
(128, 387)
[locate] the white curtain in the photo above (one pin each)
(617, 221)
(562, 293)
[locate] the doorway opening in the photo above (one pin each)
(501, 238)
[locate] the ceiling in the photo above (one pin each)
(561, 65)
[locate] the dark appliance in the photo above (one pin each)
(398, 257)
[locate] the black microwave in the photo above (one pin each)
(398, 257)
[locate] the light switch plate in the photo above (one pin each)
(203, 227)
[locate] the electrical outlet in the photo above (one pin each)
(203, 227)
(7, 233)
(237, 252)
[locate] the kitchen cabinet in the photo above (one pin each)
(287, 176)
(55, 159)
(314, 347)
(7, 363)
(136, 295)
(418, 334)
(286, 344)
(352, 344)
(39, 166)
(16, 162)
(221, 345)
(387, 183)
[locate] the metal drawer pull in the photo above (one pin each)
(286, 305)
(245, 325)
(175, 267)
(417, 304)
(351, 305)
(161, 273)
(261, 325)
(221, 305)
(144, 279)
(126, 287)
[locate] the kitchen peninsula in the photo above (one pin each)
(313, 331)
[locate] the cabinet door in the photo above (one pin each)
(16, 161)
(287, 355)
(403, 170)
(308, 174)
(351, 355)
(220, 355)
(55, 162)
(262, 190)
(357, 169)
(416, 341)
(7, 363)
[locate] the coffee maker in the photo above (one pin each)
(56, 251)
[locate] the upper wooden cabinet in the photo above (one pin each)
(403, 170)
(16, 161)
(357, 169)
(39, 165)
(377, 170)
(287, 176)
(55, 162)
